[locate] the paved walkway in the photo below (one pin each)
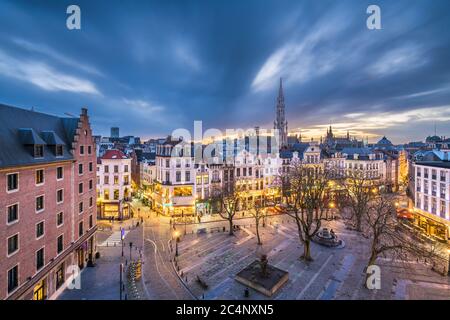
(334, 274)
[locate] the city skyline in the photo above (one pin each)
(187, 63)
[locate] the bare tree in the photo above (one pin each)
(387, 237)
(258, 212)
(305, 190)
(360, 189)
(228, 198)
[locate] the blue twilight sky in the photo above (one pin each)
(150, 67)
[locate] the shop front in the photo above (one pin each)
(431, 225)
(113, 210)
(40, 290)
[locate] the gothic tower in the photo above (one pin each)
(280, 123)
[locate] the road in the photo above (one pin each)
(159, 276)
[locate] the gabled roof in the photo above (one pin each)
(20, 129)
(114, 154)
(384, 141)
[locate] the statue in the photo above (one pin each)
(263, 264)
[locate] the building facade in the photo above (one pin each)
(114, 185)
(432, 197)
(47, 176)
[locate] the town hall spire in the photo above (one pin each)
(280, 123)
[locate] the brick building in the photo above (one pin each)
(47, 201)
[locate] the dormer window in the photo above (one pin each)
(38, 151)
(59, 150)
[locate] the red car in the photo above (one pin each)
(404, 213)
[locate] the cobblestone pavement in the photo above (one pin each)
(216, 257)
(334, 273)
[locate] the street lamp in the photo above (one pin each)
(177, 239)
(122, 236)
(121, 280)
(131, 246)
(448, 268)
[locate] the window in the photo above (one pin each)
(167, 163)
(81, 150)
(13, 213)
(89, 149)
(91, 184)
(60, 244)
(80, 187)
(39, 203)
(178, 176)
(59, 218)
(205, 179)
(13, 244)
(59, 274)
(59, 196)
(116, 194)
(39, 258)
(126, 168)
(91, 221)
(80, 207)
(106, 194)
(40, 176)
(59, 173)
(59, 150)
(106, 179)
(40, 229)
(116, 179)
(106, 169)
(13, 278)
(13, 182)
(80, 229)
(91, 167)
(38, 151)
(187, 176)
(116, 169)
(91, 202)
(80, 168)
(126, 180)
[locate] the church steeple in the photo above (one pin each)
(280, 123)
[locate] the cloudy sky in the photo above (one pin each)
(150, 67)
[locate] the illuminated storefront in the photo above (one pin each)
(40, 290)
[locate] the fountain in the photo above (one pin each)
(328, 238)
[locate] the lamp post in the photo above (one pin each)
(120, 280)
(131, 246)
(185, 222)
(122, 236)
(448, 267)
(177, 239)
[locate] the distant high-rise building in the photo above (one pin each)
(280, 123)
(114, 132)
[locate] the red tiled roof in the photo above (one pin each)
(114, 154)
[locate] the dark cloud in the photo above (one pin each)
(150, 67)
